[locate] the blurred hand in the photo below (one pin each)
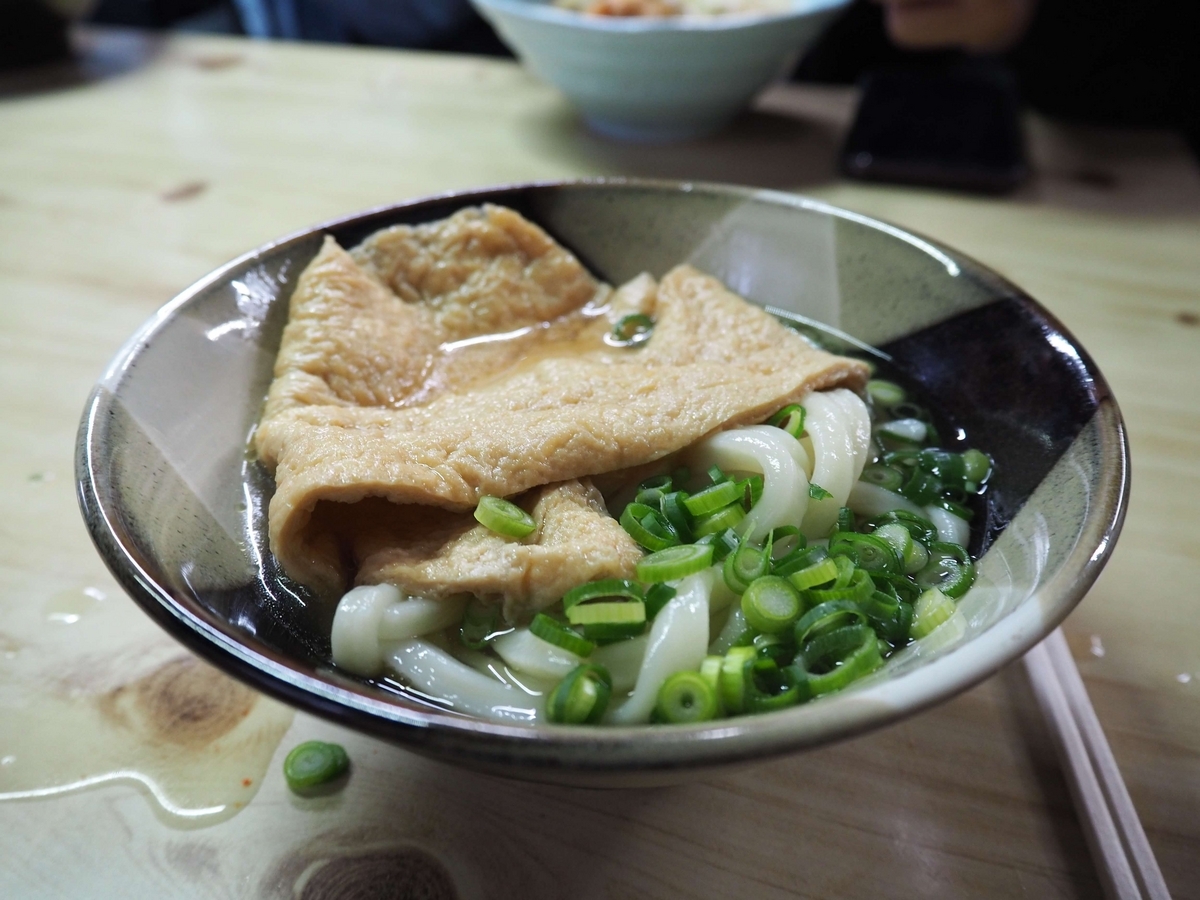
(982, 26)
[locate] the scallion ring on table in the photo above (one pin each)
(314, 763)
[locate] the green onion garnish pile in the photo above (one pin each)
(810, 618)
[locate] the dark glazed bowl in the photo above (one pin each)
(177, 509)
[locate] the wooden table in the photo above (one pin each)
(129, 175)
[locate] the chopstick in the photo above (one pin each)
(1120, 851)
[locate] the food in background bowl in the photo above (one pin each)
(671, 7)
(658, 78)
(458, 405)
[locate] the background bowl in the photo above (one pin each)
(656, 78)
(178, 511)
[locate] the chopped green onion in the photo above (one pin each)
(635, 519)
(890, 616)
(771, 604)
(752, 489)
(867, 550)
(716, 476)
(932, 609)
(887, 477)
(504, 518)
(977, 466)
(720, 520)
(786, 539)
(674, 563)
(818, 573)
(581, 697)
(630, 331)
(553, 632)
(604, 633)
(816, 492)
(898, 538)
(775, 647)
(770, 688)
(788, 565)
(836, 658)
(676, 514)
(625, 612)
(713, 498)
(479, 623)
(857, 589)
(651, 497)
(790, 419)
(686, 697)
(595, 590)
(658, 596)
(922, 487)
(735, 677)
(744, 565)
(825, 617)
(904, 588)
(918, 526)
(657, 483)
(845, 520)
(710, 671)
(723, 543)
(918, 560)
(949, 569)
(886, 393)
(313, 763)
(946, 465)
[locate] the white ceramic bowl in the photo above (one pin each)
(657, 79)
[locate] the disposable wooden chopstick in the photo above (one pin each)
(1127, 867)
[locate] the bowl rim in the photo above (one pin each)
(583, 749)
(553, 15)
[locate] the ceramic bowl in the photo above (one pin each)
(657, 79)
(178, 509)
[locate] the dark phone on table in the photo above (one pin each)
(949, 129)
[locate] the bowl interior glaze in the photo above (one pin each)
(177, 508)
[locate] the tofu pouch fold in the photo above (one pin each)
(438, 363)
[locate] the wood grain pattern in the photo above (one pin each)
(127, 176)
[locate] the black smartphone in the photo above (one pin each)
(955, 128)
